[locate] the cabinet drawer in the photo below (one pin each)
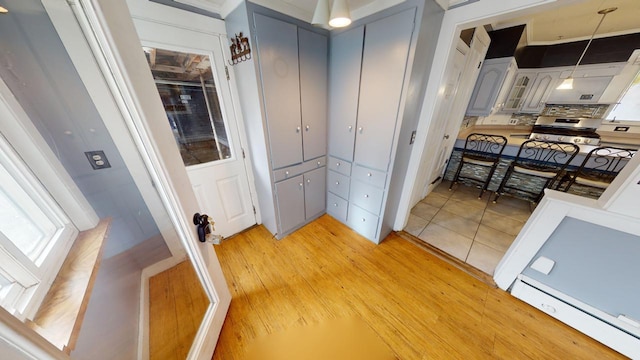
(369, 176)
(338, 184)
(362, 221)
(366, 196)
(337, 207)
(341, 166)
(292, 171)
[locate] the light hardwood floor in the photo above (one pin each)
(418, 305)
(177, 304)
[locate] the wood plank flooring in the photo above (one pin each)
(419, 306)
(177, 304)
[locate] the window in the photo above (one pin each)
(629, 107)
(35, 236)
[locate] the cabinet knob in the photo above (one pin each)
(337, 164)
(298, 129)
(366, 195)
(350, 127)
(307, 128)
(335, 204)
(308, 181)
(360, 130)
(300, 184)
(286, 173)
(318, 163)
(369, 174)
(363, 219)
(337, 182)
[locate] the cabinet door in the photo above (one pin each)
(314, 192)
(518, 91)
(313, 93)
(290, 197)
(278, 57)
(386, 47)
(487, 88)
(541, 88)
(344, 84)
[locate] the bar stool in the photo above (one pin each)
(599, 168)
(544, 160)
(482, 150)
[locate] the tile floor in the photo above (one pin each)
(476, 231)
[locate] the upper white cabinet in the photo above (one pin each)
(544, 83)
(521, 85)
(489, 93)
(367, 73)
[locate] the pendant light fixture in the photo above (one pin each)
(340, 16)
(567, 84)
(321, 15)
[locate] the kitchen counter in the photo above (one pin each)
(516, 135)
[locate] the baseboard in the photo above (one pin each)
(143, 326)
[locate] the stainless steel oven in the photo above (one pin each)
(574, 130)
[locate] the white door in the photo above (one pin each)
(189, 73)
(460, 82)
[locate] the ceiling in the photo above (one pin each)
(557, 24)
(578, 21)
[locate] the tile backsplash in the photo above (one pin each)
(594, 111)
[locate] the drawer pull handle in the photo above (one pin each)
(366, 195)
(363, 219)
(369, 174)
(548, 308)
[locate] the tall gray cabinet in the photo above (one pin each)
(292, 63)
(367, 69)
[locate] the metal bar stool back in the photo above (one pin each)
(480, 150)
(537, 161)
(599, 168)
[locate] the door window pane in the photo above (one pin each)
(190, 98)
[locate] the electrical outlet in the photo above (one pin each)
(513, 121)
(97, 159)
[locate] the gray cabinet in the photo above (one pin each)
(384, 61)
(278, 52)
(293, 68)
(367, 74)
(344, 81)
(518, 91)
(313, 50)
(290, 195)
(489, 92)
(315, 187)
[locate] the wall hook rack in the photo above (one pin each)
(240, 50)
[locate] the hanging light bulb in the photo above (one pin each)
(567, 84)
(321, 15)
(340, 16)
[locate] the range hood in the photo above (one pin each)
(589, 83)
